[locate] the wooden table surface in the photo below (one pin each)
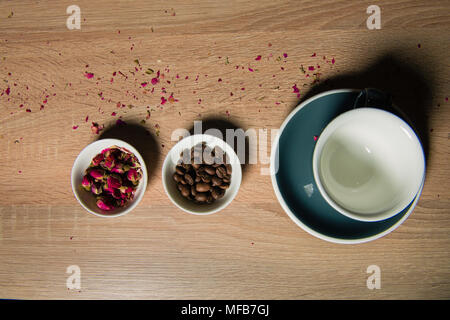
(250, 250)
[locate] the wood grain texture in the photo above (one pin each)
(251, 249)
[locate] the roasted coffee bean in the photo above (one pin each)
(201, 197)
(206, 178)
(221, 171)
(193, 191)
(185, 190)
(217, 193)
(224, 186)
(210, 170)
(198, 179)
(188, 178)
(187, 166)
(196, 165)
(180, 170)
(177, 177)
(216, 181)
(228, 167)
(202, 187)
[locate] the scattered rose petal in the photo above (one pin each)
(311, 68)
(75, 127)
(296, 89)
(163, 100)
(258, 58)
(144, 84)
(285, 55)
(89, 75)
(155, 81)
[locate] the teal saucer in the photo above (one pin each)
(294, 184)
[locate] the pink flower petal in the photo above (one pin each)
(258, 58)
(89, 75)
(155, 81)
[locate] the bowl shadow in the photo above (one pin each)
(410, 87)
(139, 137)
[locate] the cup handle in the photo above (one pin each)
(373, 98)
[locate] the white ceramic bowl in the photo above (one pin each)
(86, 199)
(170, 185)
(368, 164)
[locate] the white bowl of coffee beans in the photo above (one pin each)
(201, 174)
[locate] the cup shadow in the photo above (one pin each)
(410, 87)
(139, 137)
(218, 126)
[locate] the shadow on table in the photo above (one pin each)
(139, 137)
(409, 86)
(218, 127)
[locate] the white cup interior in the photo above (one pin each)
(368, 164)
(170, 185)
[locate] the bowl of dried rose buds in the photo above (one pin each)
(109, 178)
(201, 174)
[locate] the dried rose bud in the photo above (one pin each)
(104, 204)
(96, 128)
(87, 182)
(114, 181)
(97, 174)
(96, 189)
(97, 159)
(133, 175)
(109, 163)
(118, 168)
(106, 152)
(126, 156)
(116, 194)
